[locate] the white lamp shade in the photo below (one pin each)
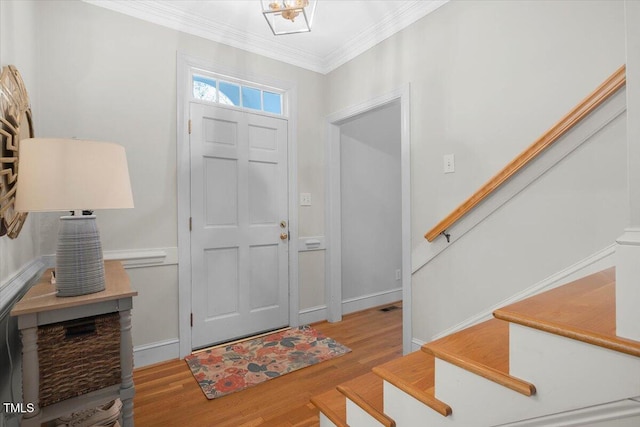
(69, 174)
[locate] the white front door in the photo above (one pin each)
(239, 237)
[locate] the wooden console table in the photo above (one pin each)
(40, 306)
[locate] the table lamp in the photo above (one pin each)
(77, 176)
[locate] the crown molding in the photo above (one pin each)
(379, 32)
(169, 16)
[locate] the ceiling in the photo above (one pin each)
(342, 29)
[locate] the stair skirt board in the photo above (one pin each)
(598, 261)
(624, 413)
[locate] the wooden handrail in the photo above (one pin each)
(586, 106)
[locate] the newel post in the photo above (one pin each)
(628, 245)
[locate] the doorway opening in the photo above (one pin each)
(368, 260)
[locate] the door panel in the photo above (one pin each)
(239, 196)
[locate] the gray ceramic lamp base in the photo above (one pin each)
(79, 261)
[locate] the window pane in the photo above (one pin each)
(272, 102)
(251, 98)
(229, 94)
(205, 89)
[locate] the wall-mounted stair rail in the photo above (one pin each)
(596, 98)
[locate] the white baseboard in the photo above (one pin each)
(312, 315)
(600, 415)
(351, 305)
(161, 351)
(599, 261)
(364, 302)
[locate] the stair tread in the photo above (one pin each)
(482, 349)
(584, 310)
(414, 374)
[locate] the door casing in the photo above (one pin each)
(186, 64)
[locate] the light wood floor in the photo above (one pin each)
(168, 395)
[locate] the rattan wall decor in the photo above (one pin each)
(15, 124)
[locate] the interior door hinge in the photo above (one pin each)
(192, 320)
(189, 126)
(190, 223)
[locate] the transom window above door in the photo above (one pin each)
(237, 94)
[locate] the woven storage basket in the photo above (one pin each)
(78, 356)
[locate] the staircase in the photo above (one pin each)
(553, 359)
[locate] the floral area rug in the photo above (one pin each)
(227, 369)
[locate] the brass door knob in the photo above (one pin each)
(284, 236)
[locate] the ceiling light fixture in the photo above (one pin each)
(289, 16)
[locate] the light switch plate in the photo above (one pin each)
(449, 163)
(305, 199)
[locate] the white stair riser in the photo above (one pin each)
(407, 411)
(569, 374)
(325, 422)
(357, 417)
(476, 401)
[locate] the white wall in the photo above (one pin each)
(487, 78)
(370, 202)
(571, 212)
(106, 76)
(17, 47)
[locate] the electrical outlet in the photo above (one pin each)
(449, 163)
(398, 275)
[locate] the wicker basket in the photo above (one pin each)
(78, 356)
